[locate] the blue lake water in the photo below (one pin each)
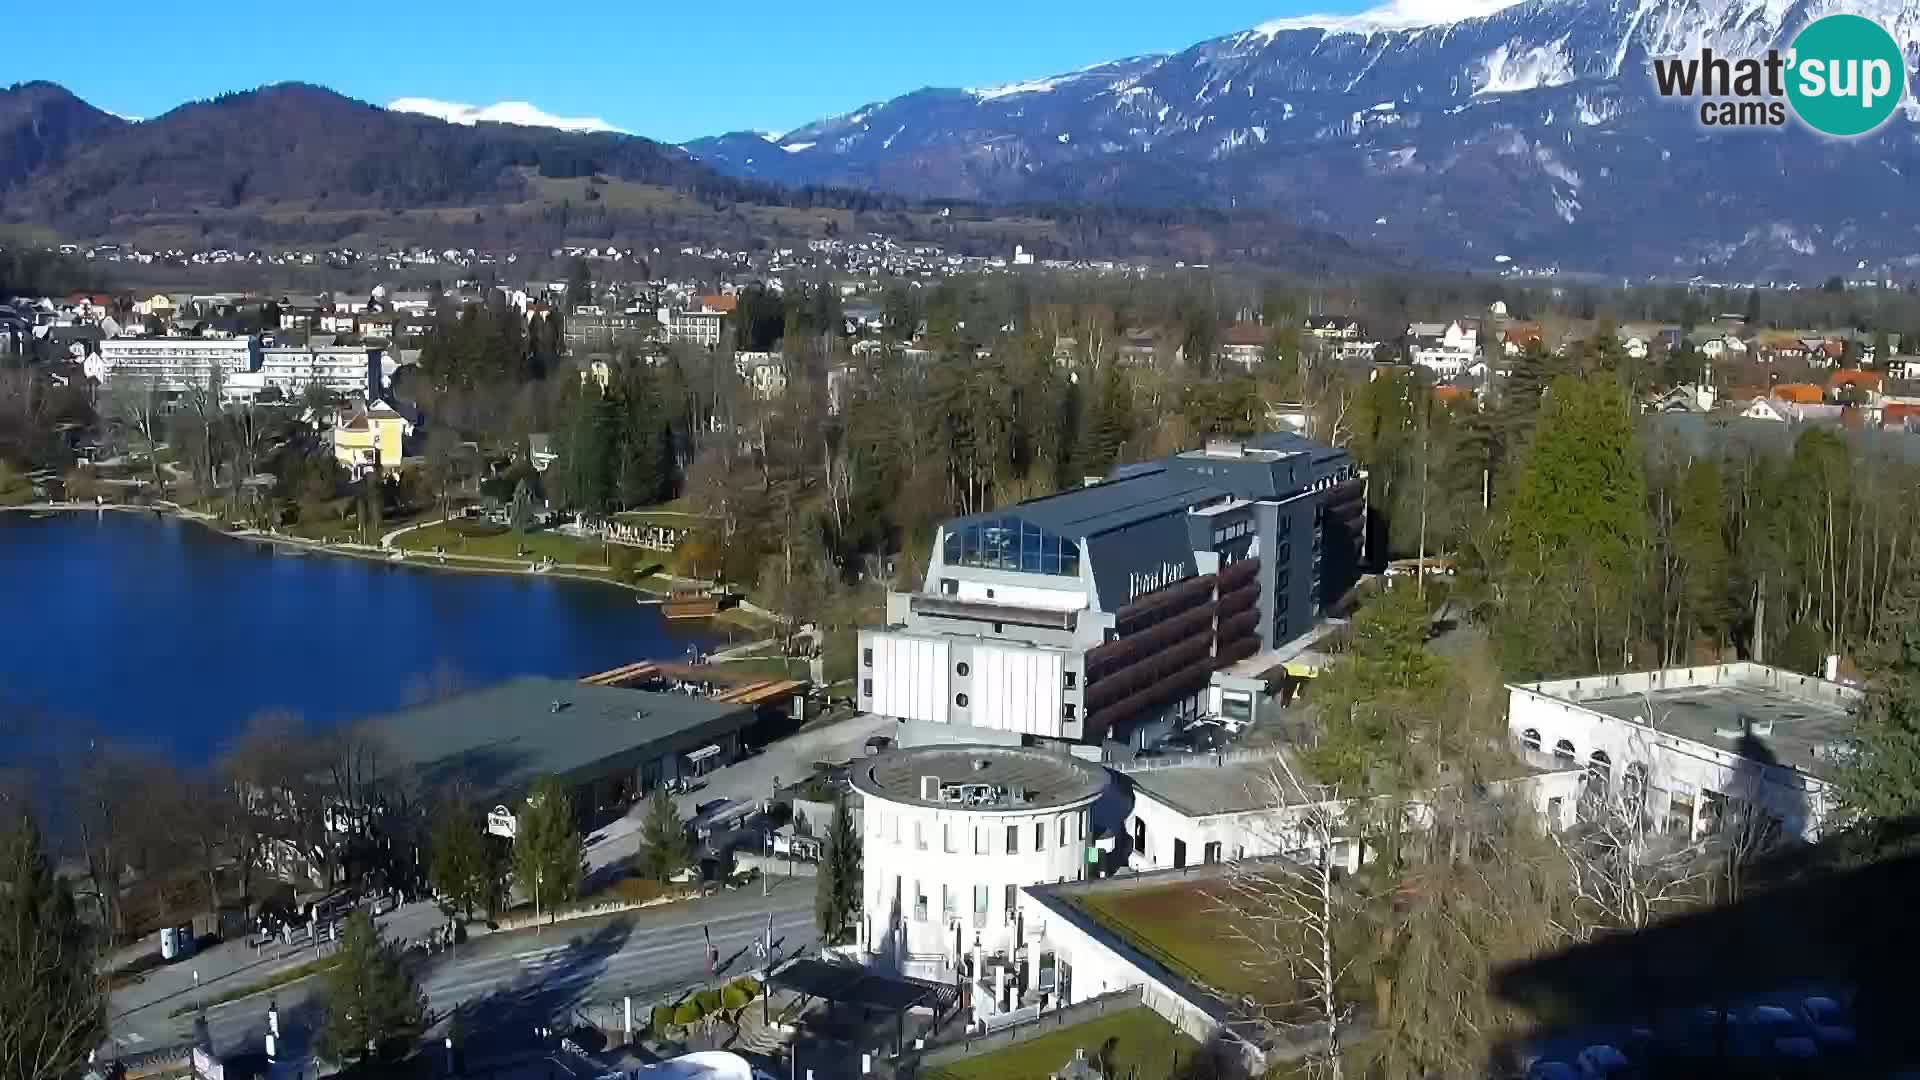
(164, 633)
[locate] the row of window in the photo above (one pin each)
(1069, 828)
(1232, 532)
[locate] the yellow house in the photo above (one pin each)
(159, 305)
(370, 435)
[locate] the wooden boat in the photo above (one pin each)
(691, 604)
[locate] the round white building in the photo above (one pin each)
(953, 833)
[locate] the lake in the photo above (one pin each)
(164, 633)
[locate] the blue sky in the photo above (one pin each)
(667, 69)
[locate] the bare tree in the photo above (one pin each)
(1288, 917)
(133, 410)
(1624, 871)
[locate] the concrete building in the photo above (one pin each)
(1694, 745)
(345, 370)
(1099, 615)
(174, 365)
(1448, 350)
(698, 325)
(612, 745)
(952, 833)
(765, 372)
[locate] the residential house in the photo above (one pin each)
(701, 326)
(1243, 344)
(765, 372)
(1332, 328)
(1448, 350)
(1516, 336)
(366, 436)
(1799, 393)
(376, 324)
(1855, 387)
(1900, 416)
(1687, 397)
(1766, 408)
(301, 312)
(1902, 366)
(540, 451)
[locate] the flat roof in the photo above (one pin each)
(1765, 713)
(1047, 779)
(501, 738)
(1787, 730)
(1200, 788)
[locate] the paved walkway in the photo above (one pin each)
(748, 780)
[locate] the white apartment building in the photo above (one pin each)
(172, 365)
(952, 835)
(347, 371)
(699, 325)
(1693, 744)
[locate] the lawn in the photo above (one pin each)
(1180, 926)
(1145, 1045)
(280, 978)
(467, 538)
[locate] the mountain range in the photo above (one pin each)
(302, 166)
(1531, 134)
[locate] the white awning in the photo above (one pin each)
(703, 754)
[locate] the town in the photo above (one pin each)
(1234, 620)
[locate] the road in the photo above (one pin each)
(749, 780)
(504, 984)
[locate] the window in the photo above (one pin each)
(1564, 750)
(1039, 836)
(1080, 823)
(946, 902)
(919, 837)
(949, 587)
(866, 657)
(1073, 679)
(1013, 901)
(1140, 835)
(946, 838)
(982, 902)
(1530, 739)
(896, 830)
(1211, 853)
(997, 628)
(866, 687)
(1063, 831)
(919, 902)
(960, 700)
(1067, 711)
(1013, 839)
(961, 669)
(979, 841)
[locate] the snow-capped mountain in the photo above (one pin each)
(523, 113)
(1529, 129)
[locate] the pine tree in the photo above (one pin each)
(52, 1012)
(837, 888)
(548, 854)
(663, 838)
(464, 869)
(372, 1005)
(1882, 782)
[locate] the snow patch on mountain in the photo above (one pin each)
(794, 148)
(1597, 111)
(522, 113)
(1031, 86)
(1394, 15)
(1507, 70)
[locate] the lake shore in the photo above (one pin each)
(468, 564)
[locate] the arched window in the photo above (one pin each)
(1530, 739)
(1564, 750)
(1599, 772)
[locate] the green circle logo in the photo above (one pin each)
(1846, 75)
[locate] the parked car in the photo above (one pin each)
(1603, 1060)
(1832, 1027)
(1774, 1031)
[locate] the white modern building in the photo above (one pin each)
(1100, 615)
(1200, 811)
(1692, 744)
(173, 365)
(346, 370)
(700, 326)
(952, 835)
